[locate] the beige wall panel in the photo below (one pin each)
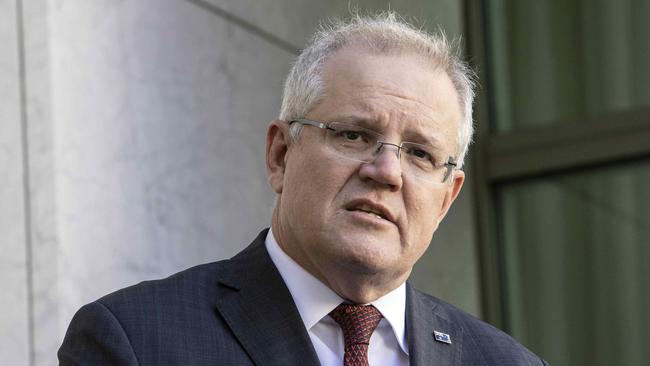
(160, 112)
(294, 21)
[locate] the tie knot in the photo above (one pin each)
(357, 322)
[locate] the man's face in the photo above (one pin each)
(322, 219)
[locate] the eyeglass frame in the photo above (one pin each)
(450, 164)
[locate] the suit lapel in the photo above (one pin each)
(259, 309)
(422, 320)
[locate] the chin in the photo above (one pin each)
(367, 259)
(362, 249)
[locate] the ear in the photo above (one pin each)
(452, 193)
(277, 144)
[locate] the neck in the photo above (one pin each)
(360, 290)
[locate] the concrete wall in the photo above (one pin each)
(132, 144)
(14, 269)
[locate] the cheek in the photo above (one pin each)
(424, 212)
(311, 183)
(322, 175)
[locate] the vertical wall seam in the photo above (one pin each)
(26, 180)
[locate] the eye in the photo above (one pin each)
(351, 135)
(420, 154)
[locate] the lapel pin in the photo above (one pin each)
(441, 337)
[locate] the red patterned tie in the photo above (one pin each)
(358, 322)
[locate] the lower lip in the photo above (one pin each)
(368, 219)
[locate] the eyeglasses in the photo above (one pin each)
(357, 143)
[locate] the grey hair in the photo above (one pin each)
(385, 33)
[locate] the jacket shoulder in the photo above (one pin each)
(482, 341)
(195, 284)
(167, 321)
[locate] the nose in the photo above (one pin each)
(385, 169)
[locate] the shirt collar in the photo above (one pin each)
(315, 300)
(393, 307)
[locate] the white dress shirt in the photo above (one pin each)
(315, 301)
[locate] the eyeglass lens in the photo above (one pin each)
(361, 144)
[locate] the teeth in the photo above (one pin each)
(370, 211)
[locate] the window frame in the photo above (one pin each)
(498, 158)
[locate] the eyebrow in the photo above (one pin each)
(411, 135)
(357, 120)
(424, 139)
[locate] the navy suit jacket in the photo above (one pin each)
(239, 312)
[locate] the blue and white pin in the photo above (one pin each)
(441, 337)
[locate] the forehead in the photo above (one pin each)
(398, 92)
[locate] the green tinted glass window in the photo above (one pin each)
(576, 253)
(556, 61)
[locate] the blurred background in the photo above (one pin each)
(132, 146)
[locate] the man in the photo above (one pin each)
(365, 158)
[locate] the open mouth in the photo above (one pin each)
(370, 208)
(373, 213)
